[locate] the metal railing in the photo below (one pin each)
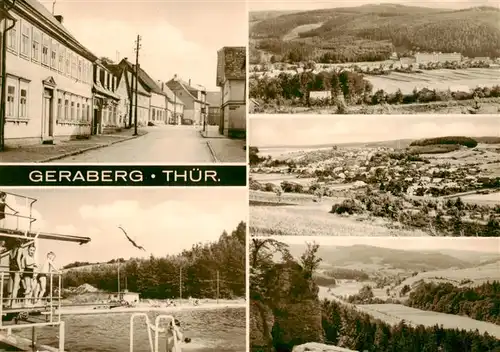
(28, 205)
(156, 329)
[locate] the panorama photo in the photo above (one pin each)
(375, 176)
(368, 294)
(367, 57)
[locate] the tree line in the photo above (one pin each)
(480, 303)
(290, 89)
(193, 271)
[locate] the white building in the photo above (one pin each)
(231, 78)
(49, 78)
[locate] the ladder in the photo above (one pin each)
(154, 343)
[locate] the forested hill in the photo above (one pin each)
(384, 28)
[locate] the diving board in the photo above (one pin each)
(43, 236)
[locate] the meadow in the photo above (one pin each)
(394, 313)
(308, 218)
(454, 80)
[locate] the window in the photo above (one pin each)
(78, 112)
(25, 39)
(66, 108)
(12, 38)
(45, 50)
(62, 55)
(35, 53)
(84, 72)
(88, 111)
(68, 62)
(53, 54)
(80, 69)
(59, 107)
(23, 103)
(84, 111)
(73, 112)
(73, 65)
(11, 98)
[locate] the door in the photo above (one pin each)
(96, 121)
(47, 115)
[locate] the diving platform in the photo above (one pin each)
(26, 303)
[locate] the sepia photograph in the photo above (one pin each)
(367, 294)
(136, 270)
(370, 57)
(375, 176)
(134, 81)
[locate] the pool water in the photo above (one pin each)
(211, 330)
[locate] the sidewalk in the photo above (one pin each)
(41, 153)
(224, 149)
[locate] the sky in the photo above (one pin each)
(476, 244)
(164, 221)
(178, 37)
(305, 5)
(303, 130)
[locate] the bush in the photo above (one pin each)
(347, 206)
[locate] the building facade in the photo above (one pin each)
(231, 78)
(128, 83)
(214, 101)
(106, 101)
(426, 58)
(49, 79)
(175, 106)
(193, 97)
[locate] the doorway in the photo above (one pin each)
(96, 121)
(47, 116)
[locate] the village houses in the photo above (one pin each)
(57, 89)
(49, 78)
(231, 78)
(105, 100)
(194, 99)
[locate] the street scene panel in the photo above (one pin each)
(147, 88)
(366, 294)
(375, 176)
(126, 268)
(368, 57)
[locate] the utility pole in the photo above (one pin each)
(175, 108)
(118, 279)
(137, 48)
(217, 286)
(3, 70)
(180, 284)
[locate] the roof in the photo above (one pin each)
(98, 88)
(4, 13)
(44, 12)
(178, 84)
(214, 98)
(231, 63)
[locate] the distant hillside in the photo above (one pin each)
(256, 16)
(400, 259)
(373, 32)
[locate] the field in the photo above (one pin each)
(454, 80)
(394, 313)
(477, 275)
(483, 199)
(311, 219)
(294, 33)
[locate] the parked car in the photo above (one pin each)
(187, 122)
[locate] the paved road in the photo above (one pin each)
(171, 144)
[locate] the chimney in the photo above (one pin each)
(190, 81)
(175, 76)
(162, 86)
(59, 18)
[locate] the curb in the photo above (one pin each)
(214, 156)
(214, 137)
(81, 151)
